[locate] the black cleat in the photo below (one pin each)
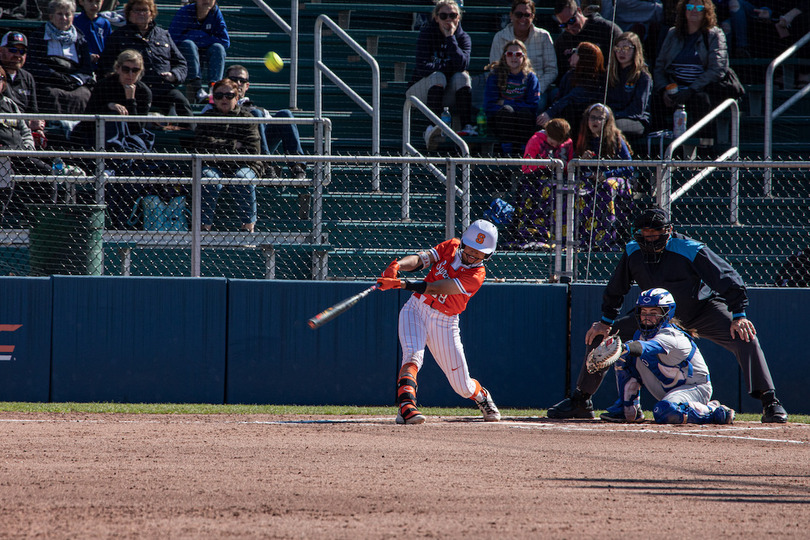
(774, 413)
(577, 406)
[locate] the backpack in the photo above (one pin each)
(160, 215)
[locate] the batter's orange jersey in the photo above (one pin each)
(448, 266)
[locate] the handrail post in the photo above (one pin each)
(450, 201)
(196, 214)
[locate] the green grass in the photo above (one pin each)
(321, 410)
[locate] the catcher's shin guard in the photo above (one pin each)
(628, 382)
(667, 412)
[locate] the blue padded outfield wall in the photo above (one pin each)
(212, 340)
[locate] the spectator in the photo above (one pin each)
(96, 30)
(121, 93)
(199, 27)
(711, 298)
(271, 135)
(795, 272)
(578, 28)
(20, 85)
(633, 15)
(16, 135)
(605, 197)
(663, 358)
(510, 97)
(694, 57)
(629, 86)
(164, 69)
(532, 225)
(779, 24)
(539, 46)
(581, 86)
(440, 77)
(229, 138)
(59, 59)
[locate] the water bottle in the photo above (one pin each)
(58, 166)
(679, 121)
(447, 118)
(481, 123)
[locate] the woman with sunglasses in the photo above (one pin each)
(538, 43)
(510, 98)
(694, 58)
(440, 77)
(629, 86)
(122, 93)
(229, 138)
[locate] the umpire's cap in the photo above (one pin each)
(652, 218)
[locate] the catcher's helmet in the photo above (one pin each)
(481, 235)
(652, 218)
(660, 298)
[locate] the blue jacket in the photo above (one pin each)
(522, 92)
(631, 101)
(95, 32)
(435, 52)
(212, 29)
(688, 269)
(575, 97)
(623, 154)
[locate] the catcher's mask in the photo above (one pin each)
(658, 220)
(481, 235)
(660, 298)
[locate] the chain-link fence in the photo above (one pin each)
(190, 213)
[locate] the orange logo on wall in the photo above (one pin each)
(6, 350)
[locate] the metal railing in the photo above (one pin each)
(665, 196)
(291, 29)
(771, 114)
(321, 69)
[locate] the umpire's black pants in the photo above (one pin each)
(712, 322)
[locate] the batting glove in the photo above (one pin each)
(386, 283)
(392, 271)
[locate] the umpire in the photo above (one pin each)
(711, 299)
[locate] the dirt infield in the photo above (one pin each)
(215, 476)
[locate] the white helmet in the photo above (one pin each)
(481, 235)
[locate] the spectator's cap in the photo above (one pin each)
(652, 218)
(14, 38)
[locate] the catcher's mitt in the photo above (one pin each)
(605, 354)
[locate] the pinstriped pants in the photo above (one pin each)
(420, 325)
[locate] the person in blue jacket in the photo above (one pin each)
(511, 97)
(95, 29)
(440, 77)
(199, 28)
(711, 298)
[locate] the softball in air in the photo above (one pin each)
(273, 62)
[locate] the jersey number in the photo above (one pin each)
(441, 298)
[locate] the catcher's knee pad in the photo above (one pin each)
(667, 412)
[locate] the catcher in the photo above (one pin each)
(430, 316)
(663, 358)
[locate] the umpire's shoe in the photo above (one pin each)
(578, 405)
(774, 413)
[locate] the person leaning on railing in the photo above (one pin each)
(229, 138)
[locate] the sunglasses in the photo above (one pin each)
(238, 80)
(572, 20)
(2, 78)
(693, 7)
(521, 15)
(452, 15)
(127, 69)
(225, 95)
(625, 48)
(16, 50)
(510, 54)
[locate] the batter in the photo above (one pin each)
(430, 316)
